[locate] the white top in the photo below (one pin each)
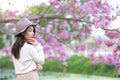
(29, 56)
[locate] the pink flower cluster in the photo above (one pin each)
(75, 24)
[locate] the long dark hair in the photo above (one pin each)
(20, 40)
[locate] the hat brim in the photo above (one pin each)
(32, 24)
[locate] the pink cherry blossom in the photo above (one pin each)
(64, 35)
(73, 22)
(95, 62)
(80, 47)
(109, 43)
(9, 13)
(112, 34)
(118, 13)
(98, 42)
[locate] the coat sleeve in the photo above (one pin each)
(37, 54)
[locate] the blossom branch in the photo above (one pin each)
(117, 30)
(46, 11)
(44, 17)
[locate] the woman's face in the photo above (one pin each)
(29, 32)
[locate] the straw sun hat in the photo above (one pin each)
(22, 24)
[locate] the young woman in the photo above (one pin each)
(28, 55)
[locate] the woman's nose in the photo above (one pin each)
(32, 33)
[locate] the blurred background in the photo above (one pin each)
(80, 37)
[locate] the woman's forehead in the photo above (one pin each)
(30, 27)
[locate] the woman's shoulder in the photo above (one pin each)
(28, 45)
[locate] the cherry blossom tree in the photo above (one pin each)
(71, 24)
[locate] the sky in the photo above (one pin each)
(20, 5)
